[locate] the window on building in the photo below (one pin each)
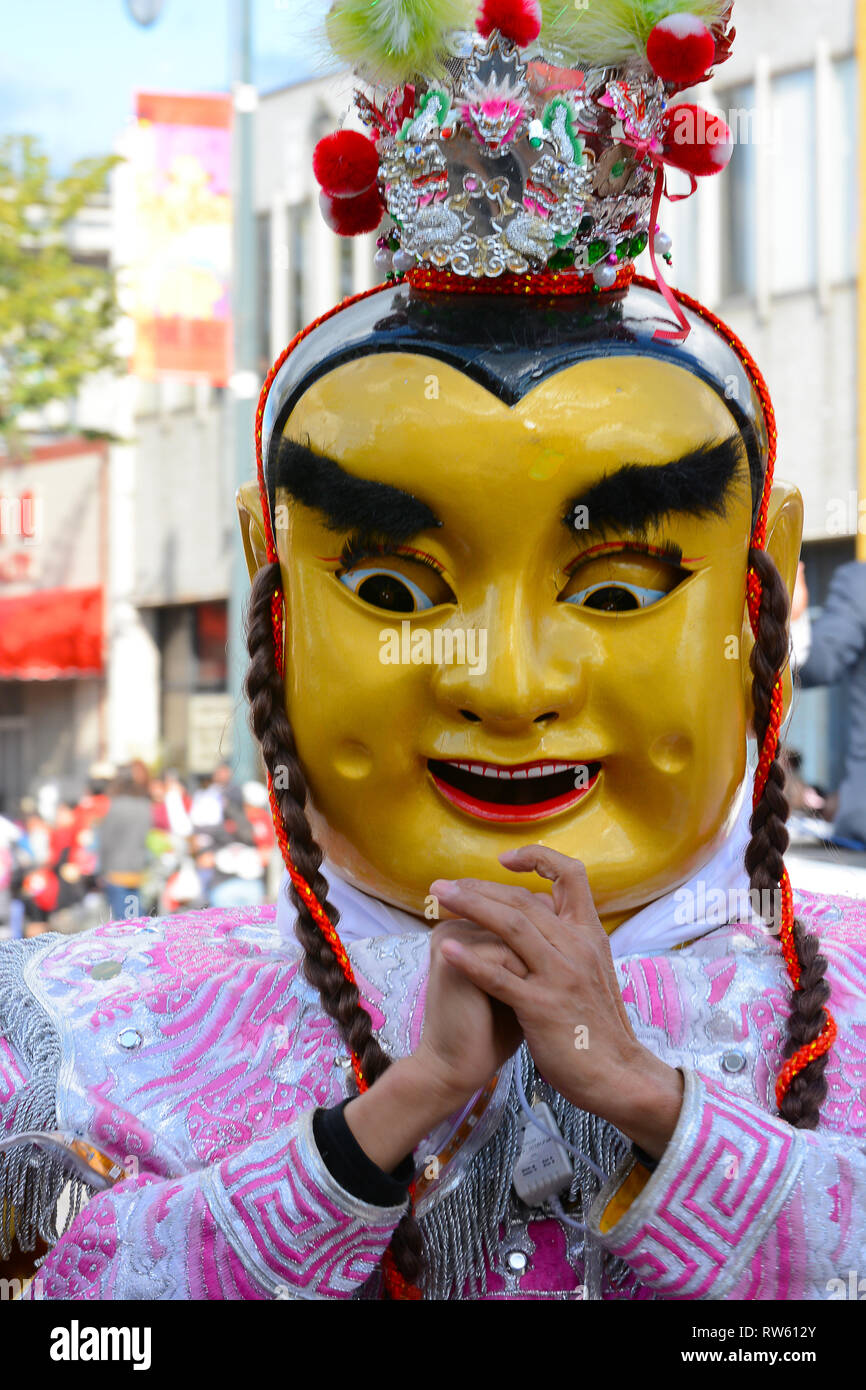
(786, 135)
(792, 190)
(211, 638)
(842, 229)
(263, 247)
(299, 220)
(192, 641)
(345, 266)
(739, 263)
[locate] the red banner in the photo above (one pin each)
(50, 634)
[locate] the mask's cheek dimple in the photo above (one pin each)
(352, 760)
(671, 753)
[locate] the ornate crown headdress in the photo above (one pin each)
(521, 138)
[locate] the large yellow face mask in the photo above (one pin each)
(560, 653)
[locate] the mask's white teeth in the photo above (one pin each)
(519, 774)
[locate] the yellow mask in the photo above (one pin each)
(601, 703)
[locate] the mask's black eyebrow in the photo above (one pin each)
(638, 495)
(347, 503)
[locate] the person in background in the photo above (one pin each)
(95, 802)
(177, 802)
(122, 841)
(838, 648)
(234, 871)
(208, 802)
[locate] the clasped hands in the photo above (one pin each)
(543, 963)
(514, 965)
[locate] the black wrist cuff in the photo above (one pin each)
(348, 1165)
(644, 1159)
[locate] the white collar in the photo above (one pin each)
(716, 893)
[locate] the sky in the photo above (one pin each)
(69, 68)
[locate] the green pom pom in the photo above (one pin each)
(393, 40)
(613, 31)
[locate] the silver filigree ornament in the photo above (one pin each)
(491, 174)
(510, 189)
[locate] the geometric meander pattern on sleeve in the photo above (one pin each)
(718, 1189)
(300, 1232)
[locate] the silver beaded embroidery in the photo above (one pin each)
(480, 1222)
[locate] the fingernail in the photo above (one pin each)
(443, 888)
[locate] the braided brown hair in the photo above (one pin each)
(340, 998)
(802, 1102)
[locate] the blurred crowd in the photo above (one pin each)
(134, 845)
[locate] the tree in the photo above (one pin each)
(56, 315)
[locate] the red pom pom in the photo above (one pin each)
(680, 49)
(353, 216)
(695, 140)
(345, 163)
(518, 20)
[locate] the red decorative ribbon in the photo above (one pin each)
(671, 334)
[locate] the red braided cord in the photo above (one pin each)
(769, 747)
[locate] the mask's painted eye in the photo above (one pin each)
(384, 588)
(616, 598)
(623, 581)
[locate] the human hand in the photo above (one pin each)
(566, 998)
(467, 1034)
(466, 1037)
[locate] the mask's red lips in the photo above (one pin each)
(513, 793)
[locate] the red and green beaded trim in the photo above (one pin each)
(549, 282)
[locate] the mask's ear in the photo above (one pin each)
(252, 527)
(784, 538)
